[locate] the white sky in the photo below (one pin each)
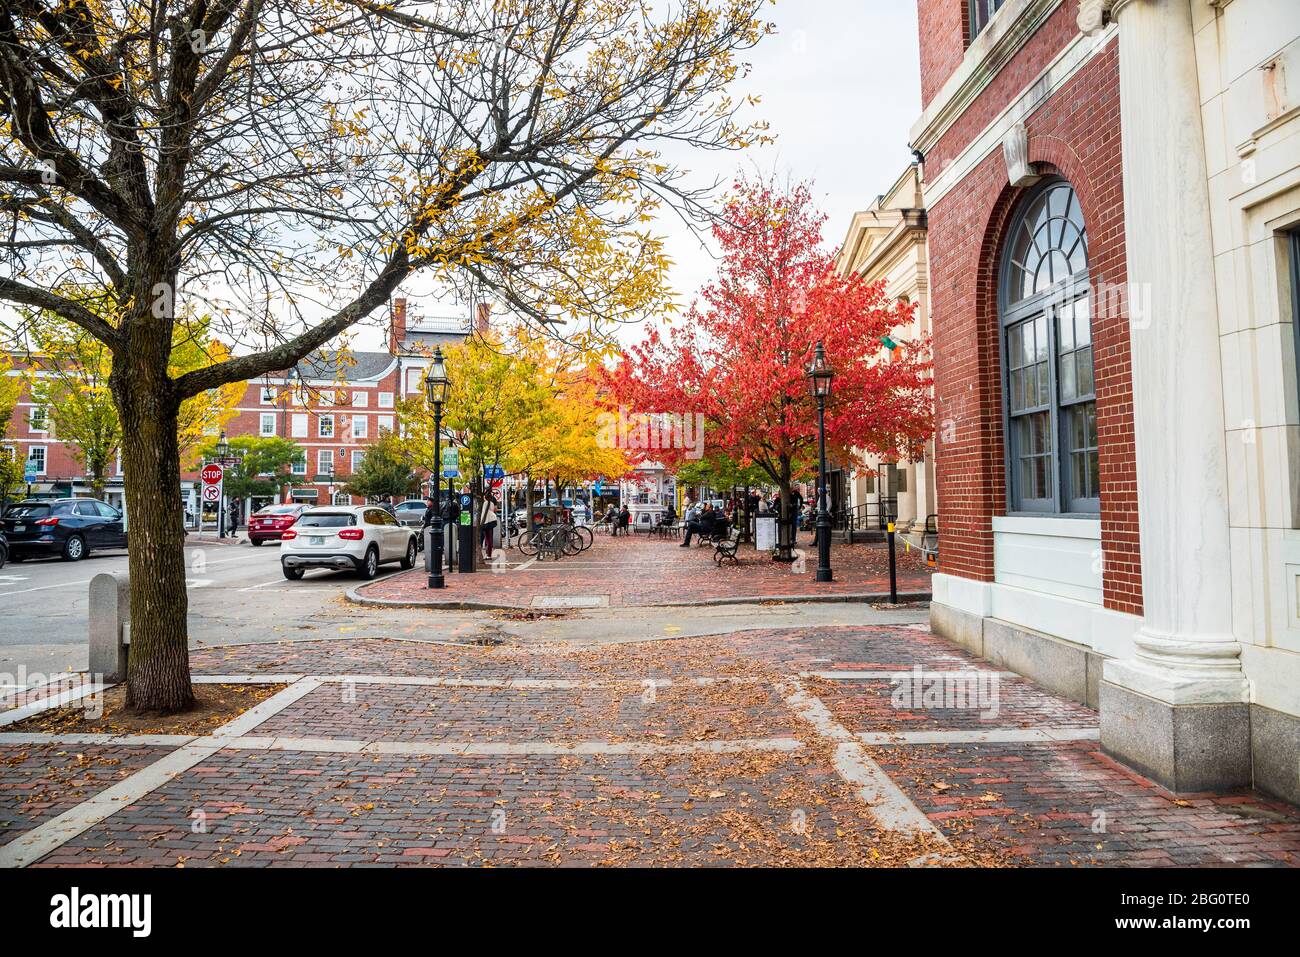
(840, 88)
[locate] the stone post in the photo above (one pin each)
(110, 616)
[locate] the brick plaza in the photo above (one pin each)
(866, 745)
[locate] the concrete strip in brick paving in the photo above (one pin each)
(902, 673)
(507, 748)
(265, 679)
(145, 740)
(54, 701)
(991, 736)
(886, 802)
(548, 684)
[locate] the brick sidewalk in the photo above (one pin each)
(640, 570)
(862, 746)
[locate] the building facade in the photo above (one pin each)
(331, 405)
(886, 241)
(1111, 192)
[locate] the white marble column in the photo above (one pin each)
(1186, 650)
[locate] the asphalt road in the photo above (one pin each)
(236, 593)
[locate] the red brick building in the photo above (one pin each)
(1106, 182)
(334, 408)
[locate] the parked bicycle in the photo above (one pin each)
(556, 541)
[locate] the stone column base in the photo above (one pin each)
(1184, 747)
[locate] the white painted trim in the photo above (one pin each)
(1056, 527)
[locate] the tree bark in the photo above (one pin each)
(158, 670)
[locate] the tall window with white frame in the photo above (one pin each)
(1050, 397)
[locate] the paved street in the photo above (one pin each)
(232, 589)
(751, 734)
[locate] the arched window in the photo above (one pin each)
(1050, 400)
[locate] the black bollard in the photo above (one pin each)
(893, 566)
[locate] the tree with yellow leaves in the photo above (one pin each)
(258, 157)
(11, 465)
(569, 447)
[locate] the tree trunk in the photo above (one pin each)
(158, 671)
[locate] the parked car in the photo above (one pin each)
(269, 523)
(411, 512)
(4, 549)
(68, 527)
(356, 538)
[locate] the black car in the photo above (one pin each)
(4, 550)
(68, 527)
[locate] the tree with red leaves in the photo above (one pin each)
(740, 358)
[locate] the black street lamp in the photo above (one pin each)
(435, 393)
(819, 378)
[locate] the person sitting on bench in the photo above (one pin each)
(709, 524)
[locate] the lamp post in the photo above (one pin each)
(435, 393)
(819, 378)
(223, 449)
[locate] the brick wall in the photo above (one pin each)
(1076, 134)
(942, 25)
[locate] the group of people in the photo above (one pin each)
(619, 519)
(705, 521)
(450, 514)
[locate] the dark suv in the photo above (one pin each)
(67, 527)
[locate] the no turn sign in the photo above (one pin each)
(211, 493)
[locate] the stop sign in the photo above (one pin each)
(211, 474)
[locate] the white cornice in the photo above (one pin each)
(1006, 32)
(1055, 75)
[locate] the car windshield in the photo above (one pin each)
(279, 510)
(28, 510)
(412, 506)
(327, 520)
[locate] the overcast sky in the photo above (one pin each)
(840, 88)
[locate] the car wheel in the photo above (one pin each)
(370, 564)
(293, 574)
(74, 549)
(257, 542)
(407, 562)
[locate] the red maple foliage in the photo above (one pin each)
(740, 357)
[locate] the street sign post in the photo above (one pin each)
(213, 477)
(450, 463)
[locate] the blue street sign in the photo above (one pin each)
(600, 484)
(494, 472)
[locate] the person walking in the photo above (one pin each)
(489, 527)
(624, 519)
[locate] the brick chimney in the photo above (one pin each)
(397, 326)
(481, 320)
